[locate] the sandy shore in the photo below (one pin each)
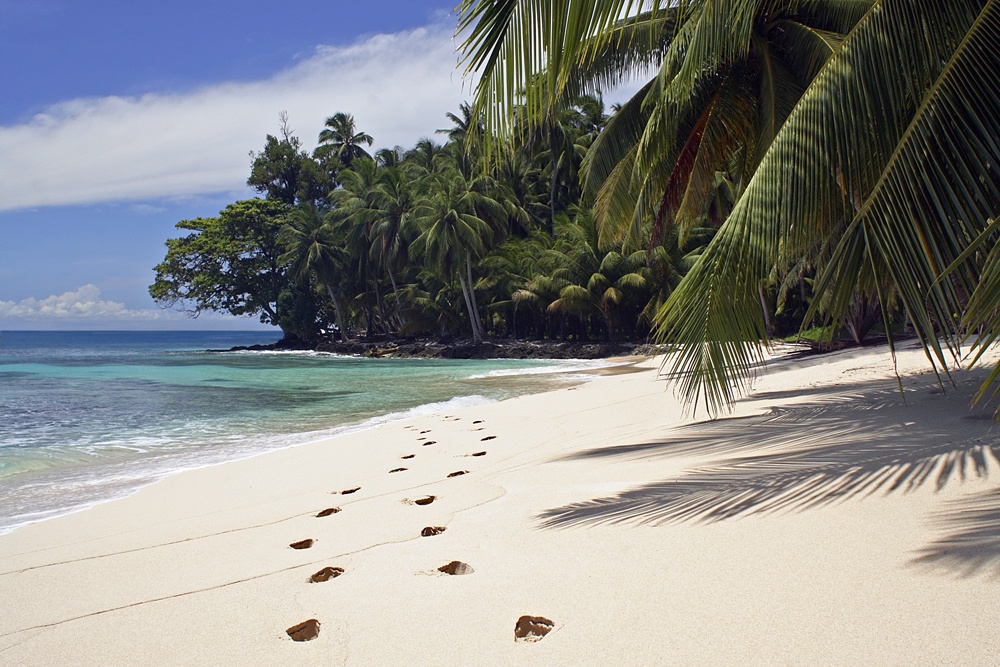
(829, 521)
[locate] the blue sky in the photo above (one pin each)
(120, 118)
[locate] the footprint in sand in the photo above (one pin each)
(489, 437)
(326, 574)
(427, 431)
(430, 531)
(398, 470)
(478, 421)
(430, 442)
(327, 512)
(532, 628)
(304, 631)
(419, 439)
(304, 544)
(407, 456)
(347, 492)
(478, 454)
(458, 473)
(456, 567)
(481, 428)
(426, 500)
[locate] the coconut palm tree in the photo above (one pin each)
(425, 157)
(459, 223)
(461, 125)
(344, 139)
(889, 153)
(601, 277)
(907, 198)
(356, 214)
(395, 198)
(313, 250)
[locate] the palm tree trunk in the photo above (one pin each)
(369, 318)
(468, 306)
(383, 319)
(395, 293)
(472, 294)
(552, 197)
(340, 314)
(608, 324)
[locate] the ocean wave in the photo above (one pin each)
(281, 353)
(571, 366)
(51, 491)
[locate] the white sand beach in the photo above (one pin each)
(829, 520)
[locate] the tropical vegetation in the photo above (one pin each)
(433, 240)
(842, 149)
(784, 165)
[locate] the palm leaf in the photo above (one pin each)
(892, 149)
(510, 42)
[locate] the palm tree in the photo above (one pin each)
(313, 250)
(456, 221)
(356, 214)
(508, 269)
(726, 74)
(908, 200)
(601, 278)
(389, 157)
(525, 192)
(395, 199)
(890, 154)
(343, 137)
(555, 133)
(425, 157)
(540, 293)
(462, 126)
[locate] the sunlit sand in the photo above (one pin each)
(829, 520)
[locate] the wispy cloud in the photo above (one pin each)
(84, 306)
(398, 86)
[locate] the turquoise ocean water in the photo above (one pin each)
(90, 416)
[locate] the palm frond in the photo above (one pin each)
(893, 150)
(511, 42)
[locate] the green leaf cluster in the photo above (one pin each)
(848, 147)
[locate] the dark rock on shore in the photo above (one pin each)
(465, 349)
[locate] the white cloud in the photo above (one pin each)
(397, 86)
(86, 302)
(85, 306)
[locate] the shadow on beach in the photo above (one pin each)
(972, 545)
(831, 446)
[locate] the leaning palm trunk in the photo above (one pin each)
(383, 318)
(340, 313)
(552, 196)
(397, 315)
(472, 296)
(468, 307)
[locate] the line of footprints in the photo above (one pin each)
(527, 628)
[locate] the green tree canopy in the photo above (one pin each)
(230, 263)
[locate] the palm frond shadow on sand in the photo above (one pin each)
(972, 546)
(863, 441)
